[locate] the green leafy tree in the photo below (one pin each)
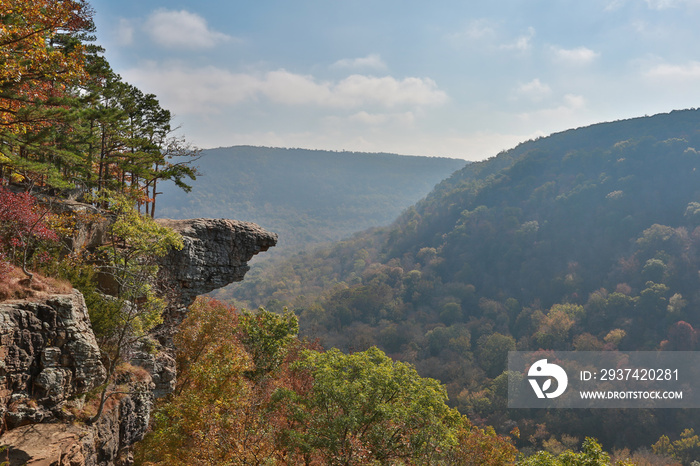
(129, 261)
(229, 363)
(43, 58)
(309, 407)
(591, 454)
(266, 336)
(128, 139)
(687, 447)
(493, 353)
(663, 446)
(365, 408)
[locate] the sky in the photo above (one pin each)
(461, 79)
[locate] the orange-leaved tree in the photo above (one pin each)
(40, 52)
(249, 392)
(229, 363)
(42, 57)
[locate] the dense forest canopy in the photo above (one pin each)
(71, 128)
(305, 196)
(585, 240)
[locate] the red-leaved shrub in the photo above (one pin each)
(22, 223)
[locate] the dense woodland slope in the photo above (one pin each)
(306, 196)
(584, 240)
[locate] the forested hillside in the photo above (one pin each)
(305, 196)
(584, 240)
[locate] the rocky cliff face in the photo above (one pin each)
(48, 355)
(49, 358)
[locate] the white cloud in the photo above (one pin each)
(664, 4)
(476, 30)
(534, 90)
(570, 105)
(370, 61)
(577, 56)
(522, 43)
(377, 119)
(356, 90)
(574, 102)
(185, 90)
(665, 72)
(387, 91)
(204, 90)
(660, 4)
(124, 32)
(284, 87)
(614, 5)
(182, 29)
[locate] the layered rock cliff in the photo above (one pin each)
(49, 358)
(49, 361)
(48, 355)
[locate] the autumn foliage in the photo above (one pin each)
(250, 392)
(221, 411)
(23, 226)
(27, 239)
(67, 121)
(38, 59)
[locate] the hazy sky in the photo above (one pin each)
(459, 79)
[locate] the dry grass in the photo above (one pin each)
(126, 373)
(88, 407)
(16, 286)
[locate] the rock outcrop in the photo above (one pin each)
(48, 354)
(215, 253)
(49, 357)
(107, 442)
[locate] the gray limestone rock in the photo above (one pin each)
(159, 364)
(216, 252)
(48, 353)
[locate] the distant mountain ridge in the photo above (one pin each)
(305, 196)
(585, 240)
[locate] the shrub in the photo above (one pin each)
(23, 226)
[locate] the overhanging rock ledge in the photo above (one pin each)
(215, 253)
